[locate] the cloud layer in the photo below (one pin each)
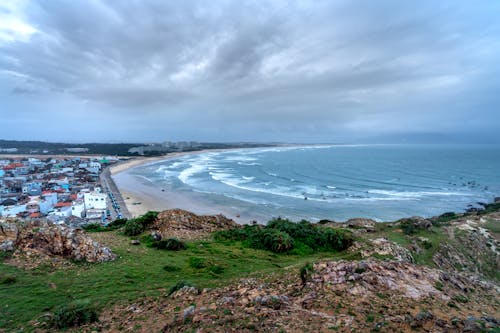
(249, 70)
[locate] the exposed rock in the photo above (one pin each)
(39, 238)
(367, 224)
(470, 248)
(407, 279)
(275, 302)
(135, 242)
(382, 247)
(182, 224)
(472, 325)
(7, 245)
(188, 312)
(417, 222)
(341, 296)
(155, 235)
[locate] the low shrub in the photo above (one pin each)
(490, 208)
(306, 272)
(116, 224)
(446, 217)
(216, 269)
(170, 244)
(133, 228)
(137, 226)
(408, 227)
(7, 278)
(171, 268)
(76, 313)
(148, 218)
(198, 263)
(94, 227)
(284, 236)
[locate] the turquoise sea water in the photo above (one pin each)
(384, 182)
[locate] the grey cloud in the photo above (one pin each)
(325, 66)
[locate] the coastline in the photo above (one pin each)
(140, 196)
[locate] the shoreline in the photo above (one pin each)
(140, 196)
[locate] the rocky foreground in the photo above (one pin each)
(365, 296)
(416, 274)
(35, 242)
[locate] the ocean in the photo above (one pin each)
(336, 182)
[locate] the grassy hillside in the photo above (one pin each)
(139, 271)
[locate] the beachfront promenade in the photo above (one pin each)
(108, 183)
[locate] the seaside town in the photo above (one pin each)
(68, 190)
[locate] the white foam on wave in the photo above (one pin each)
(418, 194)
(249, 164)
(239, 158)
(196, 166)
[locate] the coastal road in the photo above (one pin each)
(109, 186)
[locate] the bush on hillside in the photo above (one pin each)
(282, 235)
(274, 240)
(76, 313)
(408, 227)
(133, 228)
(306, 272)
(137, 226)
(118, 223)
(148, 218)
(94, 227)
(170, 244)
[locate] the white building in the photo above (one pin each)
(95, 165)
(12, 211)
(77, 208)
(62, 211)
(94, 200)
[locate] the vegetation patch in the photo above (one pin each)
(178, 286)
(75, 313)
(7, 278)
(443, 219)
(197, 263)
(171, 268)
(171, 244)
(306, 272)
(137, 225)
(96, 227)
(284, 236)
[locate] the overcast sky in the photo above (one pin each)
(298, 71)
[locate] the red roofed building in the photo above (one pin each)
(62, 204)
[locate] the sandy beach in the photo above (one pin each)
(141, 196)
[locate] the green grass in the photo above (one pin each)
(492, 226)
(137, 272)
(435, 236)
(429, 248)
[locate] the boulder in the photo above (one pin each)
(417, 222)
(181, 224)
(382, 247)
(361, 223)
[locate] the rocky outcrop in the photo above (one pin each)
(40, 238)
(360, 223)
(178, 223)
(381, 247)
(470, 247)
(366, 296)
(417, 222)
